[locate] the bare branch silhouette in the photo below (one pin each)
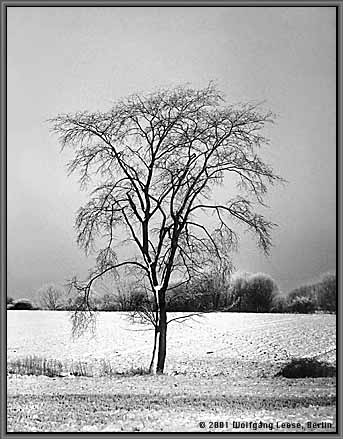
(153, 162)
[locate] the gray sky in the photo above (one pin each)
(67, 59)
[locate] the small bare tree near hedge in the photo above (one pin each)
(51, 297)
(211, 290)
(153, 162)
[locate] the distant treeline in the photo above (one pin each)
(255, 293)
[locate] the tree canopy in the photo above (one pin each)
(153, 162)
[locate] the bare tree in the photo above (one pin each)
(51, 297)
(153, 162)
(213, 288)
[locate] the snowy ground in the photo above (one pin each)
(220, 371)
(209, 344)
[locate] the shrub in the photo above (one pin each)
(254, 292)
(179, 299)
(261, 291)
(10, 300)
(303, 299)
(319, 296)
(301, 305)
(22, 304)
(303, 291)
(238, 290)
(130, 300)
(77, 302)
(279, 304)
(109, 303)
(128, 295)
(327, 292)
(307, 368)
(137, 300)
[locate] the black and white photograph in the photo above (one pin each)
(171, 213)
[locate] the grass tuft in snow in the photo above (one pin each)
(34, 365)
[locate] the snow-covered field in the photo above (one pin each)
(220, 367)
(207, 344)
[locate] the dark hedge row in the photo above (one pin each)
(256, 293)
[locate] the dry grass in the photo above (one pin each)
(79, 368)
(107, 369)
(35, 365)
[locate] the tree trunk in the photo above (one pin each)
(162, 345)
(153, 351)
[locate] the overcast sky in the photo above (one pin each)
(68, 59)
